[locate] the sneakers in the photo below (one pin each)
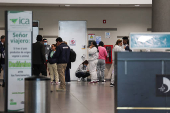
(93, 82)
(61, 90)
(111, 84)
(79, 79)
(103, 80)
(56, 83)
(83, 79)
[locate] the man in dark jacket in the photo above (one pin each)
(62, 56)
(2, 56)
(39, 57)
(126, 43)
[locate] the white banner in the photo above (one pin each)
(19, 20)
(19, 56)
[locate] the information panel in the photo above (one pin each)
(19, 56)
(150, 40)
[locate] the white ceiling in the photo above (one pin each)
(76, 5)
(79, 1)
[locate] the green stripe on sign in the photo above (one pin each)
(15, 110)
(15, 11)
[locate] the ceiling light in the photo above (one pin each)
(67, 5)
(137, 5)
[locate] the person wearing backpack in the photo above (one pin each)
(72, 59)
(67, 72)
(62, 56)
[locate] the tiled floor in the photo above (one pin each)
(80, 97)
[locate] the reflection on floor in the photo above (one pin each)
(80, 97)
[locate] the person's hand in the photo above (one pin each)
(90, 47)
(87, 70)
(124, 47)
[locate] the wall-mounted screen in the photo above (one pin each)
(150, 40)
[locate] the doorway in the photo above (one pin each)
(75, 34)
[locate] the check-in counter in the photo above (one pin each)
(142, 83)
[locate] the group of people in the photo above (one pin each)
(119, 46)
(56, 58)
(96, 61)
(95, 65)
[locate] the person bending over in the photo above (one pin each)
(82, 71)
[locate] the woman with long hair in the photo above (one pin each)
(101, 61)
(118, 46)
(93, 60)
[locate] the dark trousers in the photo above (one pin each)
(39, 68)
(82, 74)
(67, 74)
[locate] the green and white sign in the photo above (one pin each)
(19, 56)
(19, 20)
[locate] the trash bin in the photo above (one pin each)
(37, 94)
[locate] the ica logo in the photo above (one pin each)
(23, 21)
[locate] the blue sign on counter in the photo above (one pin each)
(150, 40)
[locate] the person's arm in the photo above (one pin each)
(1, 48)
(43, 53)
(105, 52)
(127, 48)
(57, 53)
(49, 55)
(80, 68)
(121, 49)
(92, 50)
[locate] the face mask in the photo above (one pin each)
(45, 43)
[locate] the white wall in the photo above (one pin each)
(79, 1)
(126, 20)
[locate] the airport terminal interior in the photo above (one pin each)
(82, 56)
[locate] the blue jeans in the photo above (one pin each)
(3, 67)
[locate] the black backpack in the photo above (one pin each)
(72, 55)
